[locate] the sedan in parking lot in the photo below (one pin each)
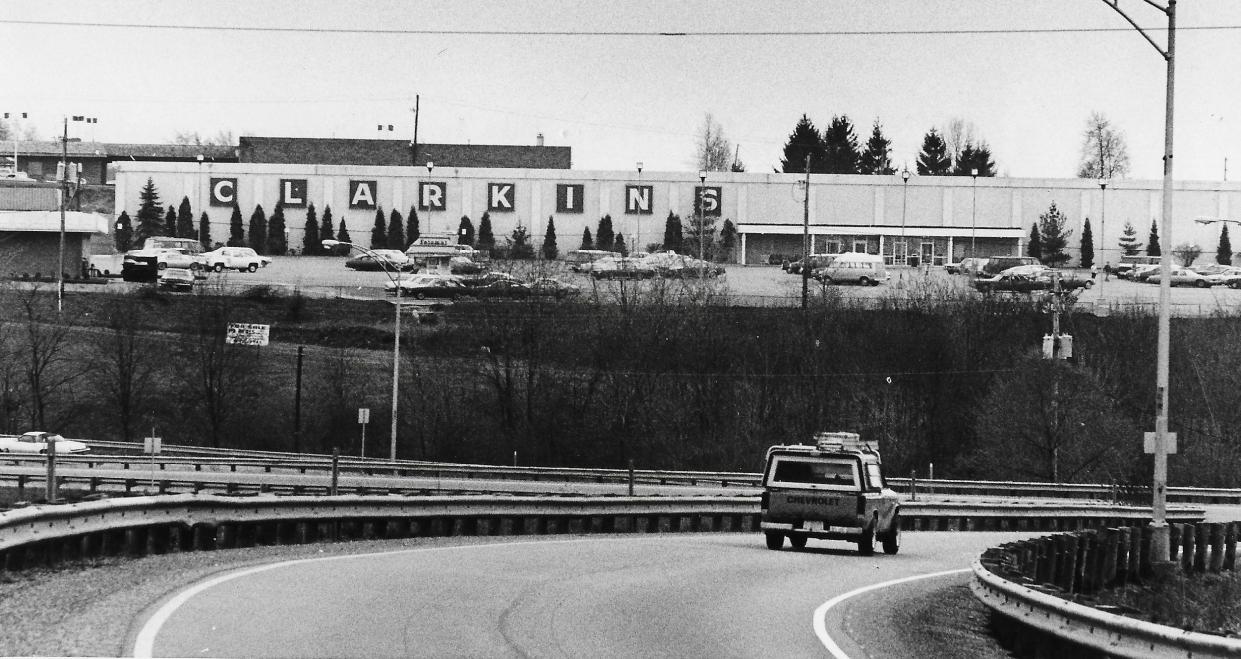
(553, 287)
(177, 279)
(1187, 277)
(421, 287)
(36, 441)
(391, 260)
(501, 288)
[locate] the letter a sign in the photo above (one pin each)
(362, 194)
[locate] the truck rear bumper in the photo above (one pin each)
(814, 529)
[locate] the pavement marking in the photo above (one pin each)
(144, 644)
(820, 614)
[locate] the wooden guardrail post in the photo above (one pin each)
(335, 470)
(1215, 532)
(1230, 546)
(1187, 547)
(1201, 547)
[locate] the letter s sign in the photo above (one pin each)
(709, 198)
(223, 191)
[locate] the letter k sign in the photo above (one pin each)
(500, 196)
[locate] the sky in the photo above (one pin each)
(601, 78)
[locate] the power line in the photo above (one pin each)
(604, 33)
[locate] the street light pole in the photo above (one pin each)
(702, 265)
(396, 340)
(430, 208)
(974, 220)
(904, 197)
(638, 239)
(1160, 538)
(64, 199)
(1103, 233)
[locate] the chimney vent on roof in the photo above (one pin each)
(538, 141)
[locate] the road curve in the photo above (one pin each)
(661, 595)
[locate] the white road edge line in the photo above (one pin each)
(820, 614)
(144, 644)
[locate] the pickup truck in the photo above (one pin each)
(832, 489)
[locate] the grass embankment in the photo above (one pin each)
(1207, 603)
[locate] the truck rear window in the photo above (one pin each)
(792, 471)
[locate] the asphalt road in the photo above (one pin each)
(699, 595)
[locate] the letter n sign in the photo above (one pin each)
(638, 200)
(223, 191)
(500, 197)
(569, 198)
(432, 195)
(362, 194)
(709, 198)
(293, 192)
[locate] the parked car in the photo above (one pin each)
(550, 287)
(504, 288)
(853, 267)
(621, 268)
(1231, 278)
(36, 441)
(1028, 279)
(463, 265)
(234, 258)
(486, 278)
(1141, 273)
(428, 286)
(1129, 263)
(177, 279)
(392, 260)
(815, 260)
(1187, 277)
(967, 266)
(994, 265)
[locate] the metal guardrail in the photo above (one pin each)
(1088, 627)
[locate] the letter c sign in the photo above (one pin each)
(223, 191)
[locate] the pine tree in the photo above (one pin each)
(587, 241)
(876, 159)
(550, 251)
(1087, 246)
(124, 235)
(185, 219)
(604, 235)
(486, 240)
(673, 236)
(974, 157)
(170, 221)
(236, 232)
(312, 244)
(258, 230)
(342, 236)
(1035, 248)
(465, 231)
(804, 140)
(619, 246)
(840, 147)
(204, 231)
(519, 244)
(934, 160)
(150, 214)
(1053, 236)
(1152, 243)
(728, 240)
(412, 230)
(277, 243)
(396, 231)
(326, 230)
(1223, 253)
(379, 232)
(1128, 242)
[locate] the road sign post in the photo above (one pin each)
(152, 446)
(51, 470)
(364, 417)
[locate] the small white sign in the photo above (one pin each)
(1148, 442)
(152, 445)
(364, 415)
(247, 334)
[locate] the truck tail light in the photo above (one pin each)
(762, 500)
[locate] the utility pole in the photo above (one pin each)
(64, 199)
(414, 150)
(297, 404)
(805, 240)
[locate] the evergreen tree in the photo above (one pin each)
(840, 147)
(342, 235)
(396, 231)
(519, 246)
(673, 236)
(728, 241)
(700, 237)
(412, 230)
(1087, 247)
(258, 230)
(604, 235)
(486, 240)
(326, 230)
(277, 243)
(974, 157)
(1035, 248)
(236, 232)
(311, 242)
(185, 219)
(934, 160)
(550, 251)
(150, 214)
(465, 231)
(1053, 236)
(170, 221)
(379, 232)
(124, 235)
(804, 140)
(587, 241)
(619, 246)
(1223, 253)
(1152, 243)
(204, 231)
(876, 159)
(1128, 242)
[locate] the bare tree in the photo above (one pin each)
(124, 365)
(957, 133)
(714, 151)
(221, 138)
(48, 367)
(1105, 154)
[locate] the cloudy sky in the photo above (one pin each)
(604, 79)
